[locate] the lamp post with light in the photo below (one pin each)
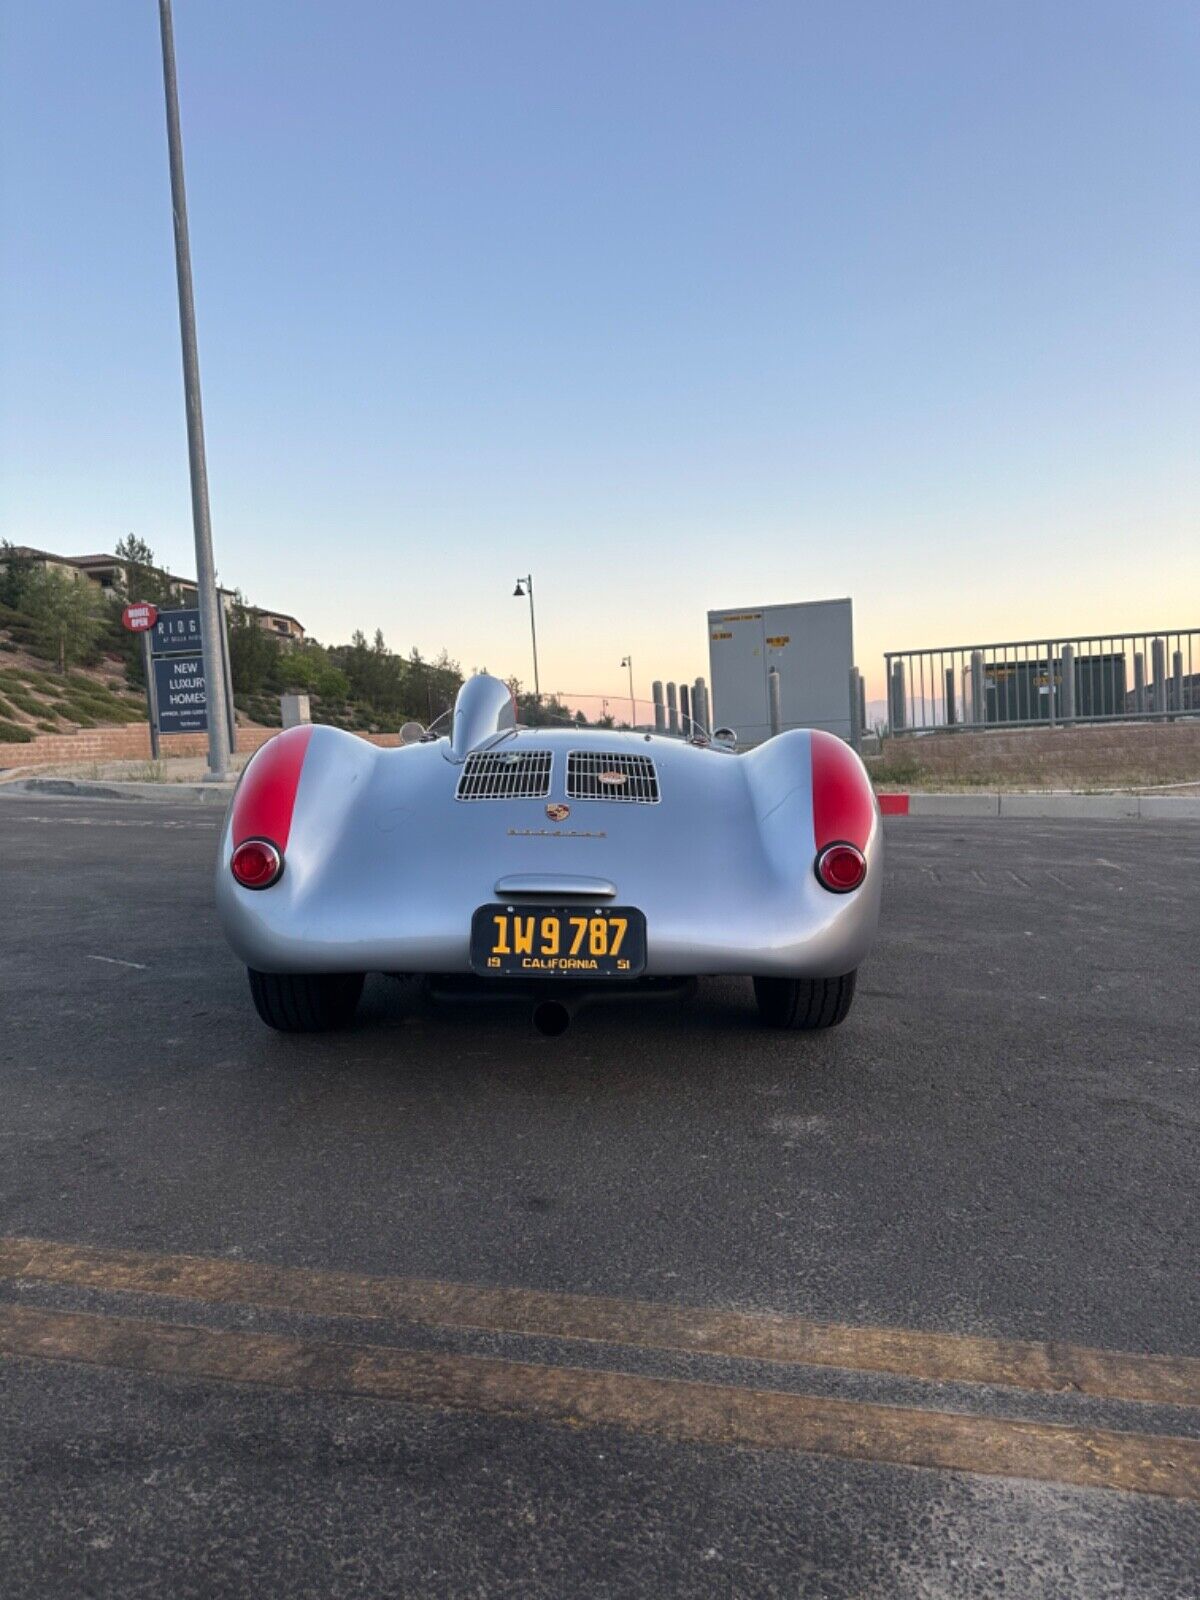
(519, 593)
(627, 661)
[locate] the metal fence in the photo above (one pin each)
(1027, 683)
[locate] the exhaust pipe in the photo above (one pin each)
(551, 1018)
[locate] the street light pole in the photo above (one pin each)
(206, 580)
(627, 661)
(517, 593)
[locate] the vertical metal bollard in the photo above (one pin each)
(685, 710)
(951, 715)
(1050, 684)
(672, 709)
(660, 710)
(862, 703)
(774, 701)
(700, 705)
(1158, 666)
(1066, 702)
(1177, 680)
(1139, 681)
(856, 730)
(978, 690)
(896, 706)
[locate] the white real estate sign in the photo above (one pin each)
(811, 643)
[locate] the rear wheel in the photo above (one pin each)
(305, 1002)
(804, 1002)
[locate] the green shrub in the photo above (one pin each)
(94, 706)
(10, 733)
(30, 678)
(49, 727)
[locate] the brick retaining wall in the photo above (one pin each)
(132, 743)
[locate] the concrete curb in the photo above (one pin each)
(87, 789)
(1111, 807)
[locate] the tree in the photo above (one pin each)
(65, 614)
(253, 654)
(331, 683)
(15, 573)
(139, 578)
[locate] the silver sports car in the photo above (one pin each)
(562, 865)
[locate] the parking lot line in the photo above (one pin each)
(698, 1413)
(1033, 1365)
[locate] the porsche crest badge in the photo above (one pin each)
(557, 812)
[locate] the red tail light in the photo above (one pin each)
(256, 864)
(840, 867)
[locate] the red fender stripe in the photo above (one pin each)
(843, 804)
(266, 796)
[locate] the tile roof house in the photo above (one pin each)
(109, 573)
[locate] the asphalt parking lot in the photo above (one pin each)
(996, 1153)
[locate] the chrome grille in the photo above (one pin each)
(601, 775)
(505, 775)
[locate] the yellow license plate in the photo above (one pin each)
(558, 942)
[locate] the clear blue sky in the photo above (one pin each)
(681, 305)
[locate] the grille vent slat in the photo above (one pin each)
(602, 775)
(505, 775)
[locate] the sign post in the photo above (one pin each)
(230, 713)
(141, 618)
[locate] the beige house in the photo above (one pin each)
(109, 573)
(277, 623)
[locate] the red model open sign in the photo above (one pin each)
(139, 618)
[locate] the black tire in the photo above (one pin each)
(305, 1002)
(804, 1002)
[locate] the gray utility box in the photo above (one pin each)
(295, 710)
(811, 643)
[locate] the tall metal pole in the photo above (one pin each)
(537, 687)
(627, 661)
(206, 581)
